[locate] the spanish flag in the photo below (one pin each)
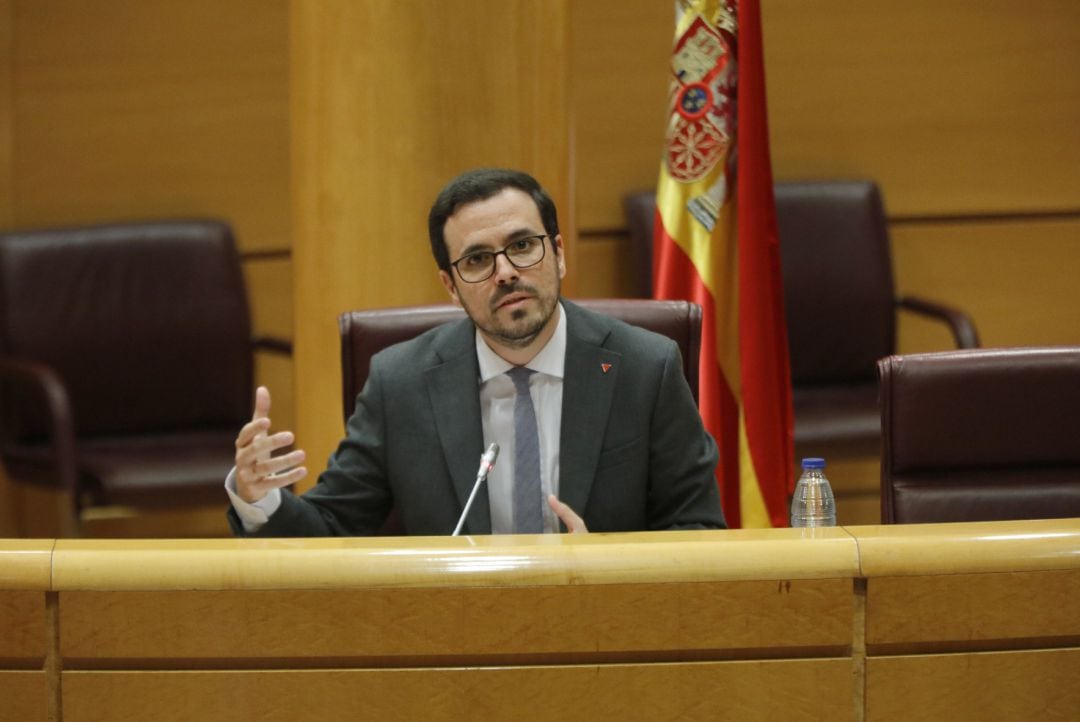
(716, 244)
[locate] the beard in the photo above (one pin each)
(523, 325)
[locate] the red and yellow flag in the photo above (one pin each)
(716, 244)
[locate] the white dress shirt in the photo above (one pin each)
(497, 396)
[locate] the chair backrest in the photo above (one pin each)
(835, 257)
(146, 324)
(980, 434)
(365, 333)
(838, 282)
(639, 209)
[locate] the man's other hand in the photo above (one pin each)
(574, 523)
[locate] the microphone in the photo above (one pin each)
(487, 463)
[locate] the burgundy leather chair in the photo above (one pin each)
(365, 333)
(125, 360)
(840, 303)
(980, 435)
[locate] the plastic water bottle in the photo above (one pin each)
(813, 504)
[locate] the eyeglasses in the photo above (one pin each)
(521, 252)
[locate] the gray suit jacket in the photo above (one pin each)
(634, 454)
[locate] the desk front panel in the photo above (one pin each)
(463, 625)
(22, 628)
(968, 612)
(761, 689)
(23, 696)
(1036, 685)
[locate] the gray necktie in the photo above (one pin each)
(528, 514)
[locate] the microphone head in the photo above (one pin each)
(491, 454)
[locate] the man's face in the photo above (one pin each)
(512, 308)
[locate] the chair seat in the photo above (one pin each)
(182, 469)
(831, 419)
(987, 495)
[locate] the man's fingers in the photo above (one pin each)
(262, 403)
(254, 490)
(266, 445)
(284, 479)
(251, 430)
(574, 523)
(278, 464)
(254, 446)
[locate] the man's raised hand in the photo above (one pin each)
(257, 469)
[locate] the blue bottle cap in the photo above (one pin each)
(813, 462)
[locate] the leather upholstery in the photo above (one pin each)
(839, 302)
(981, 435)
(838, 281)
(146, 327)
(365, 333)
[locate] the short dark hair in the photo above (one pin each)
(477, 185)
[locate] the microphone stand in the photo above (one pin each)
(487, 463)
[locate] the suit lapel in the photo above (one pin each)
(589, 378)
(453, 388)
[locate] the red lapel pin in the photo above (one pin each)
(605, 367)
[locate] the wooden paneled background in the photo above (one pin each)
(390, 100)
(967, 114)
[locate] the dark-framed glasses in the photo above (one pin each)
(521, 252)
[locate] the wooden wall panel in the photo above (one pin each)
(952, 107)
(1007, 686)
(798, 689)
(619, 75)
(390, 100)
(610, 265)
(142, 110)
(1017, 279)
(7, 161)
(270, 290)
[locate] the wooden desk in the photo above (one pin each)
(846, 624)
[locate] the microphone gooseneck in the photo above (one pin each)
(487, 463)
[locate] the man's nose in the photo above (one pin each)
(505, 272)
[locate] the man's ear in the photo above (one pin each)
(558, 243)
(450, 286)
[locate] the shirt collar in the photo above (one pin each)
(549, 360)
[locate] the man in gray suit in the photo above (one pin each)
(598, 428)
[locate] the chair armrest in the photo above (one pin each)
(961, 325)
(44, 381)
(274, 345)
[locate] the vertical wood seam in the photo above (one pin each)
(53, 662)
(858, 649)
